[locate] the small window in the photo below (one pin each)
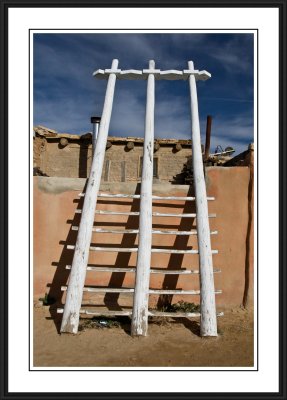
(155, 167)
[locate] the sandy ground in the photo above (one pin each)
(173, 342)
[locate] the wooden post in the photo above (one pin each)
(141, 295)
(207, 137)
(208, 323)
(249, 257)
(96, 123)
(71, 313)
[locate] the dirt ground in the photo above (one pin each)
(171, 343)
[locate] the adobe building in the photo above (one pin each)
(70, 156)
(61, 166)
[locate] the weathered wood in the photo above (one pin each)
(155, 214)
(70, 319)
(119, 231)
(178, 291)
(131, 290)
(96, 124)
(135, 231)
(177, 314)
(64, 142)
(107, 170)
(140, 305)
(150, 313)
(208, 323)
(137, 196)
(108, 249)
(249, 233)
(102, 290)
(179, 233)
(123, 171)
(130, 145)
(174, 251)
(163, 271)
(207, 137)
(171, 74)
(156, 146)
(186, 215)
(177, 147)
(135, 249)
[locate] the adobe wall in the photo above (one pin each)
(55, 202)
(120, 165)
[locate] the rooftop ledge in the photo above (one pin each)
(52, 134)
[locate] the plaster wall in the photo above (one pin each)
(55, 202)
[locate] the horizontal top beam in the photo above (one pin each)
(171, 75)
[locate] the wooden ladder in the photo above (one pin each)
(140, 312)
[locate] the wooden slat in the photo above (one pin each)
(104, 313)
(135, 249)
(137, 196)
(135, 231)
(151, 313)
(174, 251)
(177, 314)
(106, 269)
(155, 214)
(104, 212)
(103, 290)
(178, 291)
(186, 215)
(119, 231)
(109, 249)
(152, 270)
(131, 290)
(180, 233)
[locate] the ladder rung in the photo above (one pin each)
(112, 249)
(179, 271)
(131, 290)
(184, 233)
(177, 314)
(103, 290)
(102, 212)
(135, 249)
(106, 269)
(100, 230)
(137, 196)
(173, 251)
(177, 291)
(186, 215)
(136, 231)
(155, 214)
(150, 313)
(152, 270)
(100, 313)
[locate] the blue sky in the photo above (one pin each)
(66, 94)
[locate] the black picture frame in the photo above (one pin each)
(281, 5)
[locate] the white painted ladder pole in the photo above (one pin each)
(208, 323)
(71, 314)
(141, 295)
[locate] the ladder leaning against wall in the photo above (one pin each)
(140, 312)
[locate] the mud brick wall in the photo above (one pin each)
(120, 165)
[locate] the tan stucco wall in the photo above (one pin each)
(55, 201)
(75, 159)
